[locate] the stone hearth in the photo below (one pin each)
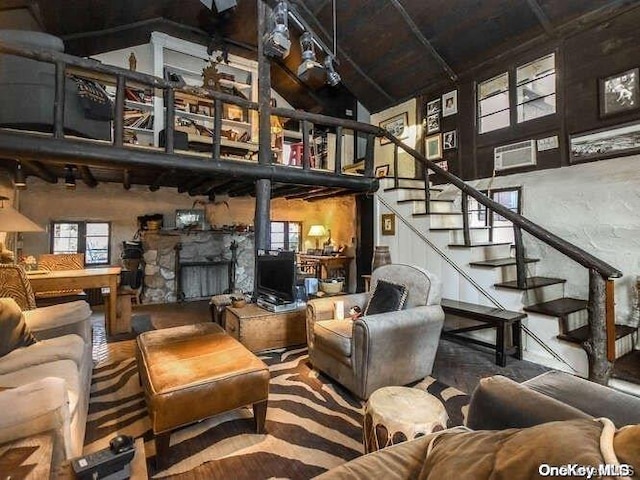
(160, 259)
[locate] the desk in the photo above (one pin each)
(328, 265)
(80, 279)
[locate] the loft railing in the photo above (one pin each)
(123, 78)
(600, 347)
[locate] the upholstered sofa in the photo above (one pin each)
(45, 373)
(393, 348)
(499, 403)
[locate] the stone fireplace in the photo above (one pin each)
(202, 259)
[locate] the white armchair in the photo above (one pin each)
(45, 385)
(374, 351)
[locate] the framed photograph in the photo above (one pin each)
(622, 140)
(382, 171)
(450, 140)
(433, 123)
(433, 107)
(396, 126)
(619, 93)
(204, 109)
(388, 224)
(433, 147)
(442, 164)
(450, 103)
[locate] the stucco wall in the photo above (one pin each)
(43, 202)
(595, 206)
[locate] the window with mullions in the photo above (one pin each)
(500, 229)
(536, 88)
(286, 236)
(493, 104)
(534, 95)
(90, 238)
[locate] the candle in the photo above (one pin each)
(338, 310)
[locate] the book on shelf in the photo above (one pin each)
(138, 119)
(139, 96)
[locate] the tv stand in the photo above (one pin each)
(259, 329)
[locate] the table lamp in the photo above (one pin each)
(13, 221)
(317, 231)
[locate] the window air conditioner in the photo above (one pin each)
(519, 154)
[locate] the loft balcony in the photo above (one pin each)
(193, 144)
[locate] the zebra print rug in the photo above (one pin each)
(312, 424)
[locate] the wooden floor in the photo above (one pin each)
(457, 365)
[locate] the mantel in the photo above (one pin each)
(177, 233)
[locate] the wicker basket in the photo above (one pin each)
(331, 287)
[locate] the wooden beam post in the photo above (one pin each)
(596, 346)
(262, 220)
(368, 159)
(338, 156)
(217, 128)
(126, 179)
(521, 274)
(58, 102)
(169, 121)
(306, 145)
(466, 233)
(611, 320)
(118, 115)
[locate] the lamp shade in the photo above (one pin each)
(317, 231)
(13, 221)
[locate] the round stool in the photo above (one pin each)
(395, 414)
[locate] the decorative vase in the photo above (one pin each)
(381, 256)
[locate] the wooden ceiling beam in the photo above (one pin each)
(208, 185)
(423, 40)
(87, 177)
(191, 184)
(126, 179)
(542, 17)
(305, 193)
(243, 189)
(335, 193)
(161, 179)
(40, 171)
(344, 54)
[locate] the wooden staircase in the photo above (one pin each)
(537, 302)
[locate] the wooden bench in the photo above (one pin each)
(504, 321)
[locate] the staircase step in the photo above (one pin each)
(450, 214)
(409, 200)
(531, 282)
(501, 262)
(480, 312)
(558, 308)
(454, 228)
(627, 367)
(480, 244)
(581, 334)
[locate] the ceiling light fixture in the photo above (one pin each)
(69, 178)
(20, 180)
(277, 42)
(333, 77)
(309, 70)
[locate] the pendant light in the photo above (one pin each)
(20, 180)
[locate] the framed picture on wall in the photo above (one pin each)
(450, 103)
(433, 123)
(619, 93)
(603, 143)
(450, 140)
(388, 224)
(433, 147)
(433, 107)
(396, 126)
(382, 171)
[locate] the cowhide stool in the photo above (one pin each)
(395, 414)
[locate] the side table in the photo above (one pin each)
(395, 414)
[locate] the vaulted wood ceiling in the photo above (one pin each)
(389, 50)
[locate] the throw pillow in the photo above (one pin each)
(14, 332)
(387, 297)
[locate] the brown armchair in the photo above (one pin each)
(375, 351)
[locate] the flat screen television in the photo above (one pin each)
(276, 276)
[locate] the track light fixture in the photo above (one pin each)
(333, 77)
(69, 178)
(309, 70)
(20, 180)
(277, 42)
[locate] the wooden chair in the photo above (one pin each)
(56, 262)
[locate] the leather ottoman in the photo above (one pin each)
(193, 372)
